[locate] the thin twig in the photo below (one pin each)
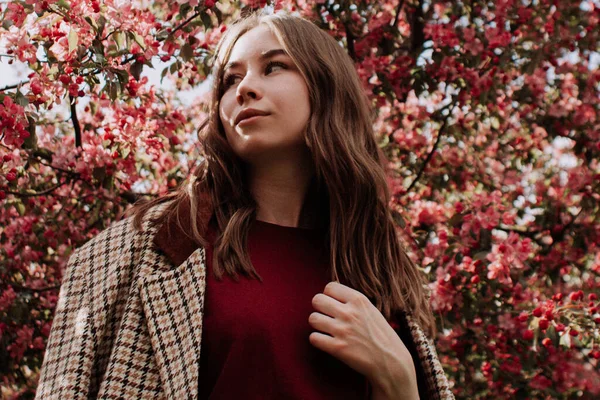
(36, 159)
(184, 23)
(433, 149)
(42, 193)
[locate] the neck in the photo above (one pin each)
(280, 188)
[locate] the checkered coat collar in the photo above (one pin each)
(128, 324)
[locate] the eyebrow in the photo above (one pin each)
(263, 56)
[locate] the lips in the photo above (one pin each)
(249, 113)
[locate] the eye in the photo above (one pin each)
(229, 79)
(272, 64)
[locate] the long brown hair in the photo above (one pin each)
(349, 183)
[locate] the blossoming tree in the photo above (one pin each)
(488, 113)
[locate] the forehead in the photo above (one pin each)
(254, 43)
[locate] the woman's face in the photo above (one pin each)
(259, 75)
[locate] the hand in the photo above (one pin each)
(354, 331)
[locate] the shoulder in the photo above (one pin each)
(112, 255)
(121, 236)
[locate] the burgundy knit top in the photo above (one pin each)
(255, 334)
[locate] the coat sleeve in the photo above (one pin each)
(67, 367)
(432, 381)
(90, 307)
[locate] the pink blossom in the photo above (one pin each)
(15, 12)
(21, 343)
(7, 298)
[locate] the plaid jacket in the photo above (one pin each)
(128, 323)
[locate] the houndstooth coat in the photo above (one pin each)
(128, 323)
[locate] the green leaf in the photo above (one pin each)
(218, 13)
(136, 69)
(480, 255)
(184, 9)
(44, 153)
(64, 4)
(551, 333)
(174, 67)
(138, 39)
(187, 52)
(20, 208)
(94, 217)
(115, 89)
(7, 23)
(495, 123)
(101, 23)
(120, 39)
(20, 99)
(98, 50)
(455, 220)
(565, 340)
(92, 23)
(109, 182)
(206, 20)
(73, 39)
(384, 141)
(398, 219)
(162, 35)
(31, 141)
(122, 75)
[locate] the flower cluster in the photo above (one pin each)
(490, 132)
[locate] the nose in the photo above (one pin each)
(248, 88)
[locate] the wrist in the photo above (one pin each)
(394, 381)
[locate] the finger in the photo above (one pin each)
(322, 322)
(327, 305)
(323, 342)
(341, 292)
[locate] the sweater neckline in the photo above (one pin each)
(282, 227)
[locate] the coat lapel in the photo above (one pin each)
(172, 297)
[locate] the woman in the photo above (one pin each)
(292, 196)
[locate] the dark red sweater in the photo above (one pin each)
(255, 335)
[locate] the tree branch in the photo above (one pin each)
(350, 41)
(417, 28)
(398, 10)
(75, 120)
(15, 86)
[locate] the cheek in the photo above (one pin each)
(225, 110)
(303, 97)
